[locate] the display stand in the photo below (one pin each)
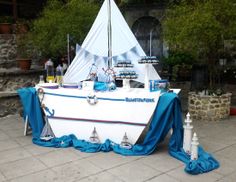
(126, 83)
(146, 78)
(125, 75)
(148, 60)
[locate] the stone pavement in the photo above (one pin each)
(22, 161)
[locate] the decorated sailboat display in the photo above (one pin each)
(97, 106)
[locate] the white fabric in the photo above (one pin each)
(96, 45)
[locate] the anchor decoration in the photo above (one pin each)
(51, 113)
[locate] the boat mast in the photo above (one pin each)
(109, 35)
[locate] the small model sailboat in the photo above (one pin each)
(108, 113)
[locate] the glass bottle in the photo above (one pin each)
(49, 67)
(41, 79)
(59, 74)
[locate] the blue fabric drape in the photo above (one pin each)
(100, 86)
(166, 116)
(31, 105)
(104, 86)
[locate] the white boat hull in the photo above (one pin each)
(115, 113)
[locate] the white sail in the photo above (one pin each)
(95, 47)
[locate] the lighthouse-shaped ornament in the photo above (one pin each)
(187, 135)
(194, 147)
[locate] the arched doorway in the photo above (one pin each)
(148, 31)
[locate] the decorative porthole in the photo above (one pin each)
(92, 99)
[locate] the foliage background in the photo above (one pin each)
(200, 27)
(59, 18)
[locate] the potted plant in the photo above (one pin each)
(6, 24)
(24, 52)
(21, 26)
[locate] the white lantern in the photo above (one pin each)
(187, 134)
(194, 147)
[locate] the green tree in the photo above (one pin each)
(200, 27)
(123, 2)
(59, 18)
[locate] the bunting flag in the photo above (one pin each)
(123, 56)
(95, 58)
(115, 58)
(105, 59)
(86, 54)
(134, 50)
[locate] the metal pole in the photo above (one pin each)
(109, 35)
(150, 54)
(14, 4)
(68, 49)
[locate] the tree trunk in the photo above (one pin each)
(212, 70)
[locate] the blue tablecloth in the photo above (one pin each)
(32, 109)
(167, 115)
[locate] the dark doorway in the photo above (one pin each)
(148, 31)
(199, 79)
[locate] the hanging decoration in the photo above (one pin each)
(86, 54)
(123, 56)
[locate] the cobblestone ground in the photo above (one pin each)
(22, 161)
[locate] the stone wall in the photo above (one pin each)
(7, 50)
(11, 77)
(10, 81)
(209, 108)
